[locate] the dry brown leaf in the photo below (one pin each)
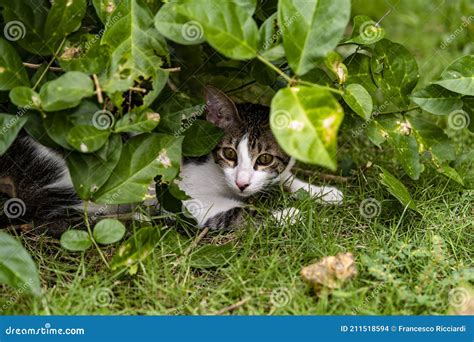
(70, 53)
(330, 272)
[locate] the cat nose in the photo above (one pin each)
(242, 185)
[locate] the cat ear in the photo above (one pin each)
(221, 110)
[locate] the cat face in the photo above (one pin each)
(248, 154)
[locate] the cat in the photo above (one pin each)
(246, 162)
(36, 185)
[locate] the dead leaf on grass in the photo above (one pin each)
(330, 272)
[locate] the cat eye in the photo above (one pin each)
(229, 153)
(265, 159)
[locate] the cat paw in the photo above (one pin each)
(332, 195)
(327, 194)
(288, 215)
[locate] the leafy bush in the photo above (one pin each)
(80, 75)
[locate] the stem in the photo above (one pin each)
(89, 230)
(37, 66)
(291, 81)
(175, 69)
(399, 111)
(49, 64)
(100, 98)
(321, 87)
(276, 69)
(241, 87)
(138, 90)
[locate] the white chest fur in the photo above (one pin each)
(206, 185)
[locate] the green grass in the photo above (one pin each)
(407, 263)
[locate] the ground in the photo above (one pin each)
(407, 263)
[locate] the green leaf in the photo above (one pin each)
(305, 121)
(262, 73)
(17, 268)
(76, 240)
(459, 76)
(143, 158)
(431, 138)
(12, 72)
(170, 196)
(66, 91)
(365, 31)
(201, 138)
(136, 248)
(87, 139)
(376, 133)
(311, 28)
(172, 122)
(105, 9)
(437, 100)
(451, 173)
(359, 100)
(358, 68)
(39, 26)
(136, 47)
(27, 20)
(397, 189)
(334, 64)
(318, 76)
(211, 256)
(84, 53)
(25, 97)
(64, 17)
(400, 135)
(395, 71)
(227, 26)
(138, 122)
(172, 22)
(10, 126)
(58, 124)
(469, 109)
(90, 171)
(35, 128)
(109, 231)
(270, 43)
